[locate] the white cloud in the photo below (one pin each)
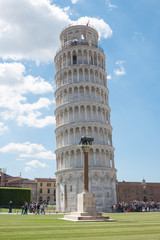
(14, 87)
(41, 103)
(32, 120)
(31, 165)
(120, 71)
(42, 155)
(3, 128)
(12, 75)
(110, 5)
(103, 28)
(28, 150)
(74, 1)
(30, 29)
(109, 77)
(36, 164)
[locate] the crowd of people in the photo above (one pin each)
(34, 207)
(121, 207)
(135, 206)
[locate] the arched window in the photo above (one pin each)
(74, 59)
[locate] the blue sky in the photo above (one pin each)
(29, 38)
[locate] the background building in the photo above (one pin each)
(42, 189)
(46, 189)
(82, 109)
(141, 191)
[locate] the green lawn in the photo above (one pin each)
(128, 226)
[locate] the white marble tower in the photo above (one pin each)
(82, 109)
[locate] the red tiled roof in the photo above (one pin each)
(45, 179)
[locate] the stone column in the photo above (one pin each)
(73, 114)
(60, 162)
(87, 57)
(65, 197)
(86, 201)
(75, 160)
(68, 136)
(77, 75)
(60, 140)
(94, 157)
(66, 59)
(89, 75)
(62, 62)
(85, 113)
(81, 158)
(67, 74)
(85, 167)
(57, 197)
(112, 160)
(97, 115)
(101, 115)
(69, 160)
(85, 171)
(91, 113)
(79, 116)
(105, 159)
(68, 115)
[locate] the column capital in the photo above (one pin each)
(85, 148)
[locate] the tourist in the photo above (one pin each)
(37, 208)
(43, 208)
(25, 208)
(10, 206)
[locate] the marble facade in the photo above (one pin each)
(82, 109)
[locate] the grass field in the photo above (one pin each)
(128, 226)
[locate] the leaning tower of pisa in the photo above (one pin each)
(82, 109)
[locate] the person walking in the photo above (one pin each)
(10, 206)
(37, 208)
(25, 208)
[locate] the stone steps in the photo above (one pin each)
(89, 217)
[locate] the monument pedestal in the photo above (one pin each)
(86, 210)
(85, 202)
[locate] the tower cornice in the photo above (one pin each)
(73, 104)
(84, 83)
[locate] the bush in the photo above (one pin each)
(17, 195)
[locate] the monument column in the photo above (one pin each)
(85, 170)
(85, 200)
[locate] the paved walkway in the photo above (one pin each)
(14, 213)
